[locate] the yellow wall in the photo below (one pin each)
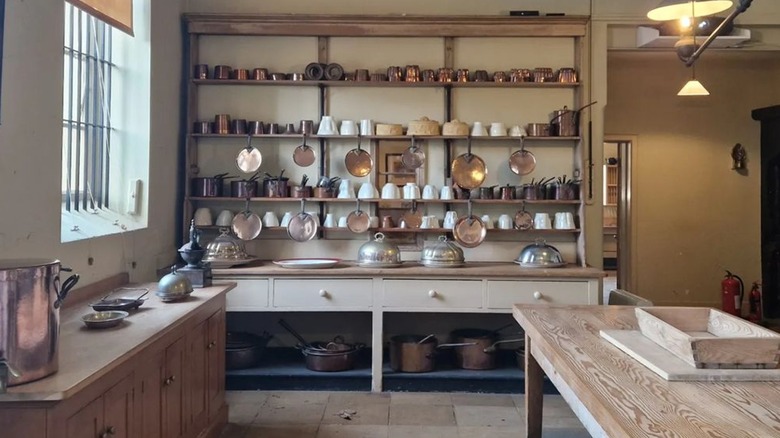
(693, 215)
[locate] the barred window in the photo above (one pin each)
(86, 135)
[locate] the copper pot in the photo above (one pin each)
(481, 353)
(415, 353)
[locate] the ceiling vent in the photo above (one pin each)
(650, 37)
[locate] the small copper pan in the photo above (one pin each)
(468, 170)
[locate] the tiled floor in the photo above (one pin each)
(293, 414)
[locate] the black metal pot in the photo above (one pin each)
(244, 350)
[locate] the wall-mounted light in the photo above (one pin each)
(676, 9)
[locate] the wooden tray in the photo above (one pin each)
(709, 338)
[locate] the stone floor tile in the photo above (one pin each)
(565, 433)
(482, 400)
(350, 431)
(232, 430)
(494, 416)
(421, 415)
(489, 432)
(365, 414)
(255, 397)
(242, 413)
(281, 431)
(297, 398)
(416, 398)
(291, 414)
(358, 399)
(423, 432)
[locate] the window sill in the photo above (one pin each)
(85, 225)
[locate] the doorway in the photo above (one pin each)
(616, 203)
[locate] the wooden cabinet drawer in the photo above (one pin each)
(332, 293)
(503, 294)
(249, 294)
(433, 294)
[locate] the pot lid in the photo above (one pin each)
(25, 263)
(442, 251)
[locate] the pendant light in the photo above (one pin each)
(693, 87)
(676, 9)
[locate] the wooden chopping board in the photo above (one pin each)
(670, 367)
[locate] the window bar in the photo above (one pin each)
(96, 110)
(89, 133)
(109, 57)
(77, 166)
(100, 109)
(69, 167)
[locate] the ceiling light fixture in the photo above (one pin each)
(676, 9)
(693, 87)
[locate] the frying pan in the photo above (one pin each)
(358, 161)
(302, 227)
(413, 218)
(247, 225)
(304, 155)
(413, 157)
(468, 170)
(249, 159)
(469, 230)
(522, 162)
(358, 221)
(523, 219)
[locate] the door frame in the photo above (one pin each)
(626, 274)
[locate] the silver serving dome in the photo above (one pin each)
(442, 254)
(379, 254)
(540, 255)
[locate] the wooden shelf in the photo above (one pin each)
(386, 84)
(299, 137)
(518, 202)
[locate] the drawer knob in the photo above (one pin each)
(537, 295)
(432, 293)
(212, 344)
(323, 293)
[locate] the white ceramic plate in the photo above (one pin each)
(222, 264)
(307, 263)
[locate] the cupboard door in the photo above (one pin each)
(148, 397)
(195, 398)
(118, 409)
(216, 362)
(173, 391)
(87, 422)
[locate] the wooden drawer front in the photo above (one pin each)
(248, 295)
(503, 294)
(323, 293)
(434, 294)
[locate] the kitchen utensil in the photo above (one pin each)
(538, 129)
(296, 76)
(243, 188)
(469, 230)
(413, 218)
(500, 76)
(307, 263)
(564, 221)
(173, 287)
(566, 122)
(468, 170)
(415, 353)
(542, 221)
(379, 254)
(270, 220)
(209, 186)
(278, 76)
(346, 190)
(222, 124)
(303, 226)
(442, 254)
(348, 127)
(429, 192)
(540, 255)
(104, 319)
(240, 74)
(334, 72)
(203, 127)
(331, 361)
(411, 191)
(274, 129)
(255, 127)
(523, 219)
(487, 192)
(480, 353)
(249, 159)
(260, 74)
(222, 71)
(569, 75)
(120, 303)
(497, 129)
(462, 75)
(478, 130)
(505, 222)
(275, 186)
(413, 157)
(358, 221)
(304, 155)
(358, 161)
(315, 71)
(480, 76)
(295, 334)
(200, 71)
(522, 162)
(244, 350)
(246, 224)
(30, 297)
(507, 192)
(238, 126)
(445, 74)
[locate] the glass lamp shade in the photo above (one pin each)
(676, 9)
(693, 88)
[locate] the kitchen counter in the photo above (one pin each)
(349, 268)
(86, 355)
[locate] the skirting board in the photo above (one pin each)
(668, 366)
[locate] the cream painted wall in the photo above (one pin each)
(693, 215)
(30, 139)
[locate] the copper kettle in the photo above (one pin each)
(566, 122)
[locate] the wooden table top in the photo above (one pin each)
(87, 354)
(349, 268)
(629, 400)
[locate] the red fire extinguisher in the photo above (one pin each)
(754, 299)
(733, 291)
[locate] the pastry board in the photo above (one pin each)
(672, 368)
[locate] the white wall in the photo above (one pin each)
(30, 145)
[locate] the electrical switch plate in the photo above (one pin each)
(133, 196)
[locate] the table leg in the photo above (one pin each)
(534, 397)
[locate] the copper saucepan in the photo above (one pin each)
(468, 170)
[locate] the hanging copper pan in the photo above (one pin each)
(358, 161)
(468, 170)
(469, 230)
(522, 162)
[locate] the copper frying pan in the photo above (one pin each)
(358, 161)
(468, 170)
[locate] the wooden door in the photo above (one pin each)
(87, 422)
(118, 408)
(148, 397)
(196, 390)
(216, 362)
(173, 390)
